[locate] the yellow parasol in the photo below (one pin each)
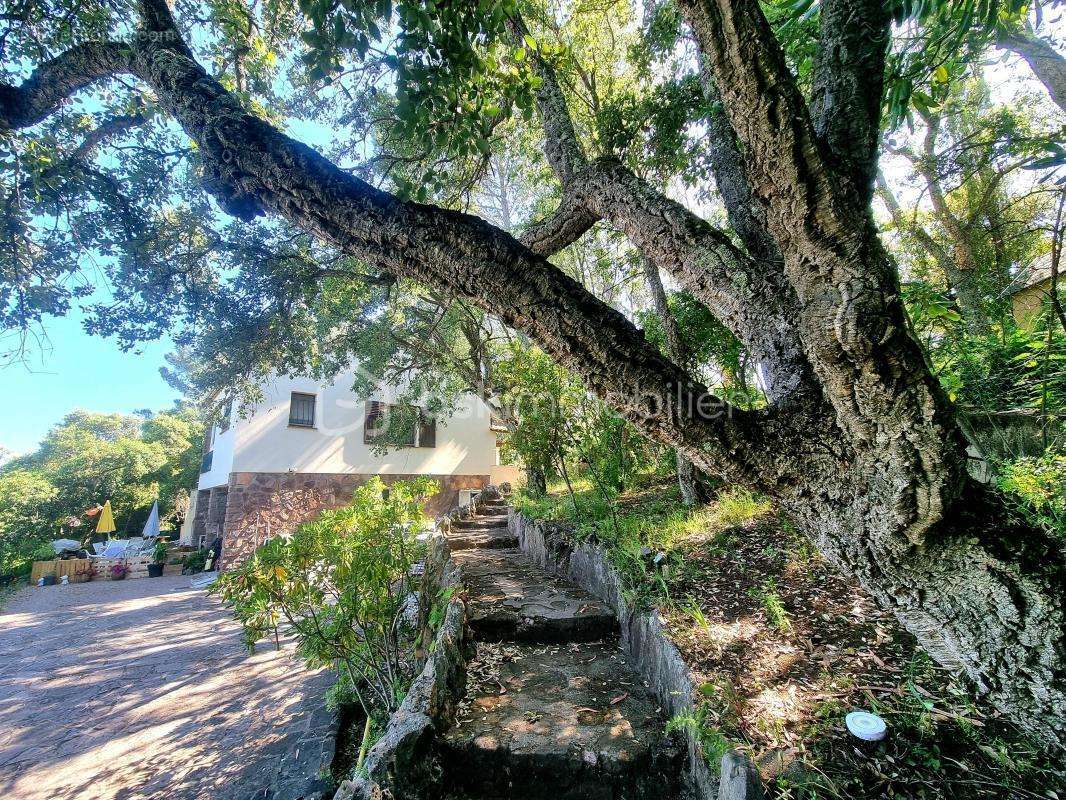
(107, 520)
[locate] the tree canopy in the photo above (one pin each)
(131, 460)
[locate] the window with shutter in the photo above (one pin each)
(427, 430)
(224, 417)
(302, 410)
(381, 421)
(374, 422)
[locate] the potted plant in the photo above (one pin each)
(82, 574)
(118, 571)
(159, 559)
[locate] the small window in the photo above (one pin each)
(427, 430)
(224, 416)
(302, 410)
(376, 425)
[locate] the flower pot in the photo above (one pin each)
(155, 570)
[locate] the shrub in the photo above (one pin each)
(341, 583)
(1037, 488)
(24, 525)
(194, 562)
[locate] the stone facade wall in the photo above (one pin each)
(265, 504)
(216, 513)
(199, 525)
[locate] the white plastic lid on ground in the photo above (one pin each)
(866, 726)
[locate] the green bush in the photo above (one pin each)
(340, 583)
(1037, 487)
(194, 562)
(24, 529)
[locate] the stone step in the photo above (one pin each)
(564, 722)
(493, 521)
(511, 599)
(482, 539)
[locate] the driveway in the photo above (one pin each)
(143, 689)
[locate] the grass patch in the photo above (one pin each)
(646, 530)
(772, 605)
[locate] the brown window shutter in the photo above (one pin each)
(427, 431)
(373, 420)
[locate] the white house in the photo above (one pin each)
(306, 446)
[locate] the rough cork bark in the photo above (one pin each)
(859, 444)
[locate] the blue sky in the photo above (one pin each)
(80, 371)
(77, 370)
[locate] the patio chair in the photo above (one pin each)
(113, 548)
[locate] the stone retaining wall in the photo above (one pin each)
(260, 505)
(645, 643)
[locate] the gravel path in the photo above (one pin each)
(143, 689)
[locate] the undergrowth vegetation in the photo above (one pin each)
(784, 647)
(644, 528)
(1036, 487)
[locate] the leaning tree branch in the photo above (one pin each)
(253, 168)
(571, 220)
(57, 79)
(1045, 61)
(746, 216)
(749, 296)
(848, 84)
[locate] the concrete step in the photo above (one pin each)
(489, 521)
(511, 599)
(482, 539)
(563, 722)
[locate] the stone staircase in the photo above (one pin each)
(551, 710)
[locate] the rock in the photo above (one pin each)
(739, 779)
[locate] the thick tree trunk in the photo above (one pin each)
(982, 592)
(982, 597)
(536, 480)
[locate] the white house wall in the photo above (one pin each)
(263, 441)
(221, 460)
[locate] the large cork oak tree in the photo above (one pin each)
(858, 443)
